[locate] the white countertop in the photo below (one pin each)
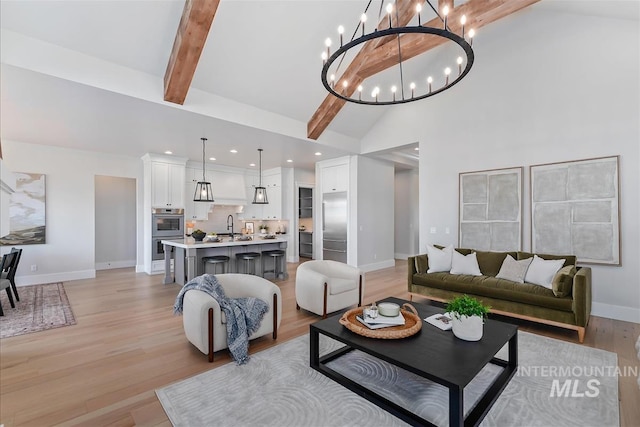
(190, 243)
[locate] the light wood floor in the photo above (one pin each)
(127, 343)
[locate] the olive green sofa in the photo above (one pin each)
(521, 300)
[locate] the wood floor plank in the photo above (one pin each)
(127, 343)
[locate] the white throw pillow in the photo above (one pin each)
(541, 271)
(465, 264)
(439, 259)
(514, 270)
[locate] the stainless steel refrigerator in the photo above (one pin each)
(334, 226)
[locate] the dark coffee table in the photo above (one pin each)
(431, 353)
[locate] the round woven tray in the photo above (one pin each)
(412, 324)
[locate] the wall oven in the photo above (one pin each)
(157, 248)
(167, 223)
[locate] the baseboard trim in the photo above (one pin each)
(617, 312)
(401, 256)
(115, 264)
(55, 277)
(140, 269)
(377, 266)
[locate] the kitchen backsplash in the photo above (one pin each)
(217, 222)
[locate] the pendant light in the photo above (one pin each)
(203, 191)
(260, 196)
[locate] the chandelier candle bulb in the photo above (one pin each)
(418, 10)
(445, 12)
(412, 86)
(327, 43)
(447, 71)
(341, 32)
(389, 10)
(459, 65)
(429, 80)
(463, 20)
(471, 34)
(393, 91)
(363, 19)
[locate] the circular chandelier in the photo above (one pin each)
(415, 90)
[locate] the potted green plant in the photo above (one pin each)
(467, 317)
(264, 228)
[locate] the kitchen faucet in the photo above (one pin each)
(230, 225)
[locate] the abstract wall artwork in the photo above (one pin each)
(490, 210)
(27, 211)
(575, 209)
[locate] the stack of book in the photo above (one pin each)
(381, 321)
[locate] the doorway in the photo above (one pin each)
(115, 222)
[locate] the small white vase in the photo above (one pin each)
(467, 328)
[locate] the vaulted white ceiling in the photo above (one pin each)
(262, 54)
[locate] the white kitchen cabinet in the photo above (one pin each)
(273, 210)
(250, 210)
(167, 185)
(335, 178)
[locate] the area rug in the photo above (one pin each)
(278, 388)
(40, 307)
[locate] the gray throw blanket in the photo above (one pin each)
(243, 314)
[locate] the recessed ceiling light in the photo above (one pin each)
(289, 161)
(234, 151)
(168, 152)
(252, 164)
(212, 158)
(318, 153)
(417, 148)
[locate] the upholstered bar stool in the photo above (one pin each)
(247, 260)
(278, 262)
(215, 261)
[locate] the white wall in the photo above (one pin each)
(375, 212)
(70, 211)
(115, 222)
(406, 234)
(564, 87)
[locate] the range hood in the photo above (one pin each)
(228, 188)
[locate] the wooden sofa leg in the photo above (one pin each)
(275, 316)
(581, 332)
(297, 306)
(360, 293)
(210, 335)
(324, 308)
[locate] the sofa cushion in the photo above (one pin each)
(465, 264)
(541, 271)
(494, 288)
(514, 270)
(568, 259)
(562, 283)
(439, 259)
(490, 262)
(421, 263)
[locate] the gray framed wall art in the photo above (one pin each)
(490, 209)
(27, 225)
(575, 209)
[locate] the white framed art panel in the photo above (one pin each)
(490, 209)
(575, 209)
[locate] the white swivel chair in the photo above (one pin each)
(326, 286)
(204, 321)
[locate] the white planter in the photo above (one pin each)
(467, 328)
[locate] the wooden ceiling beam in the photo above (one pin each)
(191, 36)
(332, 105)
(479, 13)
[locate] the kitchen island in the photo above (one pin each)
(187, 255)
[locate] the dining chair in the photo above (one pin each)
(5, 266)
(11, 274)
